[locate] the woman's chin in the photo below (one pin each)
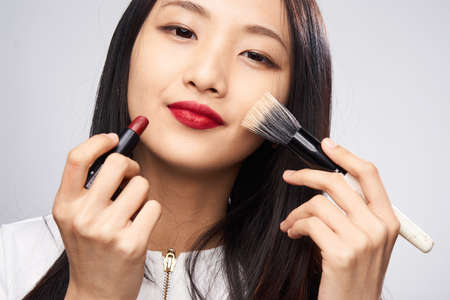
(196, 162)
(186, 159)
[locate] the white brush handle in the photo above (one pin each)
(410, 231)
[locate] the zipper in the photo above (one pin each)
(169, 264)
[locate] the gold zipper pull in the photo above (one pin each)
(169, 264)
(170, 260)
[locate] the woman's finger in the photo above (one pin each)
(351, 202)
(322, 208)
(371, 184)
(329, 214)
(317, 230)
(132, 197)
(81, 158)
(333, 184)
(115, 168)
(145, 220)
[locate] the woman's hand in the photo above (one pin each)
(105, 245)
(355, 246)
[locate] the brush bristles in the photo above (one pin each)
(271, 120)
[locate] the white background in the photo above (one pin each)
(391, 63)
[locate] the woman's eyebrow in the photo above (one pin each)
(200, 10)
(191, 6)
(258, 29)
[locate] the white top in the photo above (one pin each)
(29, 247)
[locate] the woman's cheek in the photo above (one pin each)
(162, 60)
(243, 145)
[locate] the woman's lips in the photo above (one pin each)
(195, 115)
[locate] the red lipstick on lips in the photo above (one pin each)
(195, 115)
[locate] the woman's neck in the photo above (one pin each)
(191, 202)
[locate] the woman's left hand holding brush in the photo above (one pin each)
(355, 246)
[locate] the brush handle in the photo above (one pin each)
(308, 148)
(408, 229)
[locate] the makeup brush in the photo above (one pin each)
(271, 120)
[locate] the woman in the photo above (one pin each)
(220, 190)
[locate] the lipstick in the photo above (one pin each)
(195, 115)
(128, 140)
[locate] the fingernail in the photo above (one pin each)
(288, 173)
(282, 224)
(329, 143)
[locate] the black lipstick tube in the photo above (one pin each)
(128, 140)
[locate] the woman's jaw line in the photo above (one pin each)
(151, 162)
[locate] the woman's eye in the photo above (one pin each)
(259, 58)
(179, 31)
(188, 34)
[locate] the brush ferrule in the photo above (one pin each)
(309, 149)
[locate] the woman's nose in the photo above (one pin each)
(207, 72)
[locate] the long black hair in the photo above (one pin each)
(260, 261)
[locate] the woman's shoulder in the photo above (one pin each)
(27, 249)
(28, 234)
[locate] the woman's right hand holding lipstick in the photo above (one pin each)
(105, 245)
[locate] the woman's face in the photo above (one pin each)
(223, 54)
